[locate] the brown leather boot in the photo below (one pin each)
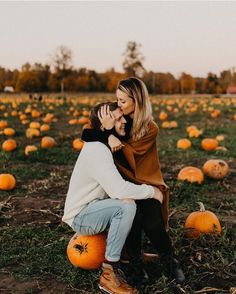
(112, 281)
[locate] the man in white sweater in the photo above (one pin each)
(99, 198)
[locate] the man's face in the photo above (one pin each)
(120, 122)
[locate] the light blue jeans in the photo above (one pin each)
(113, 214)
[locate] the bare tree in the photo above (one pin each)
(133, 60)
(62, 63)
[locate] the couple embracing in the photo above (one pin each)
(117, 185)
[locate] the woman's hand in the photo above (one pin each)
(158, 194)
(114, 143)
(106, 117)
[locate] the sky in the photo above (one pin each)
(195, 37)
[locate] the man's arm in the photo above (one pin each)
(102, 168)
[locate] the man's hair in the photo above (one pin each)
(94, 113)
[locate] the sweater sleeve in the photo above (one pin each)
(104, 171)
(92, 135)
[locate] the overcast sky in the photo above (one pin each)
(195, 37)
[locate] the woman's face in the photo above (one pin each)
(125, 103)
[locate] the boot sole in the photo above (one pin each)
(103, 290)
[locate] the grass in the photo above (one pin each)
(33, 239)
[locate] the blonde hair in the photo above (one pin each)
(137, 90)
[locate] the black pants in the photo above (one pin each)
(149, 219)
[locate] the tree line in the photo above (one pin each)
(61, 76)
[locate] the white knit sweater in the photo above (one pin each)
(95, 176)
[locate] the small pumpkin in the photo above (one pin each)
(87, 252)
(3, 124)
(30, 148)
(191, 174)
(44, 128)
(209, 144)
(215, 168)
(184, 143)
(9, 145)
(9, 131)
(30, 133)
(78, 144)
(163, 115)
(48, 142)
(34, 125)
(7, 182)
(201, 222)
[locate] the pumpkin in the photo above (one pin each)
(209, 144)
(30, 148)
(34, 125)
(9, 132)
(201, 222)
(220, 138)
(194, 133)
(30, 133)
(3, 124)
(35, 113)
(44, 128)
(9, 145)
(184, 143)
(83, 120)
(7, 182)
(87, 252)
(78, 144)
(163, 115)
(215, 168)
(48, 142)
(191, 174)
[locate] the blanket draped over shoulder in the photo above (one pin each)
(144, 162)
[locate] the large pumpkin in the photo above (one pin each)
(87, 252)
(201, 222)
(7, 182)
(191, 174)
(215, 168)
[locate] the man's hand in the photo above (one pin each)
(106, 117)
(158, 194)
(114, 143)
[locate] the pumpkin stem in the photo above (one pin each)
(202, 207)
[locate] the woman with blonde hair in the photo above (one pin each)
(136, 158)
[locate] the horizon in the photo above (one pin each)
(193, 39)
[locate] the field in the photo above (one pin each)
(33, 238)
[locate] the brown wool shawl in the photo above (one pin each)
(143, 159)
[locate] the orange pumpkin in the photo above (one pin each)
(7, 182)
(201, 222)
(78, 144)
(44, 128)
(48, 142)
(209, 144)
(215, 168)
(8, 131)
(9, 145)
(34, 125)
(30, 133)
(87, 252)
(3, 124)
(83, 120)
(163, 115)
(184, 143)
(30, 148)
(191, 174)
